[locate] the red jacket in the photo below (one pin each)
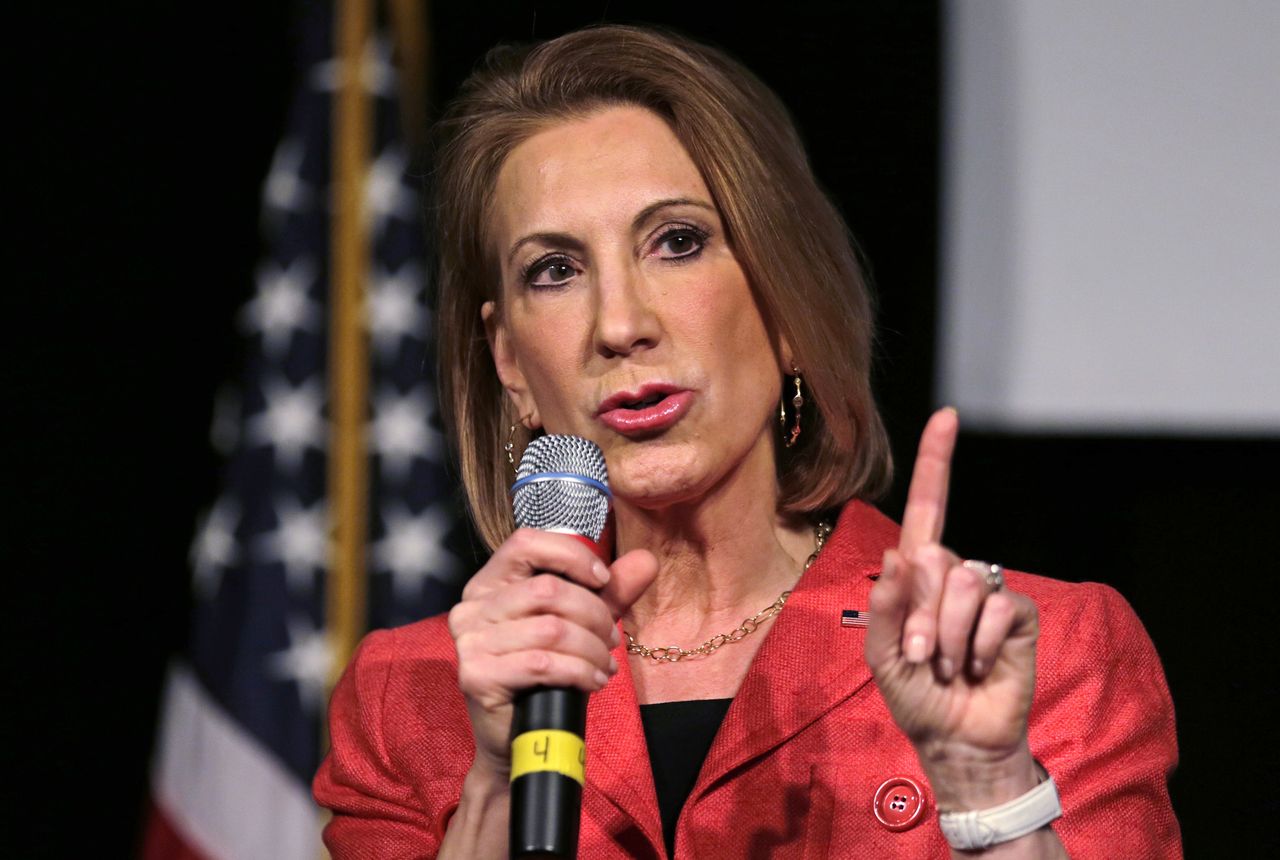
(797, 764)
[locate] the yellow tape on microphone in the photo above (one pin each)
(549, 750)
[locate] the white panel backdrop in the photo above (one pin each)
(1111, 215)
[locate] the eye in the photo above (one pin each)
(680, 242)
(550, 271)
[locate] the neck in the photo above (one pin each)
(721, 558)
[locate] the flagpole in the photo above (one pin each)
(348, 479)
(411, 27)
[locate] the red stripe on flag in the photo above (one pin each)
(162, 841)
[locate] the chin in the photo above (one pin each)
(659, 476)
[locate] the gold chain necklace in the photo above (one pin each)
(674, 653)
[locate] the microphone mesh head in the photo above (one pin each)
(562, 504)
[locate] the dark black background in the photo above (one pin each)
(146, 130)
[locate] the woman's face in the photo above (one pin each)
(625, 317)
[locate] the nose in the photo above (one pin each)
(625, 319)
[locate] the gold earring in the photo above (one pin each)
(797, 401)
(510, 447)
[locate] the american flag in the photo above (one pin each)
(241, 730)
(854, 617)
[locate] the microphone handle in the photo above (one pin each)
(548, 759)
(547, 766)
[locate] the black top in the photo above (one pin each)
(679, 736)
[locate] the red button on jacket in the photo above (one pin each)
(899, 803)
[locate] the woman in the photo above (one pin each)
(628, 221)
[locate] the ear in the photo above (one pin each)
(504, 360)
(786, 357)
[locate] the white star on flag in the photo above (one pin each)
(283, 190)
(385, 193)
(282, 304)
(300, 540)
(307, 662)
(400, 431)
(215, 548)
(413, 549)
(394, 308)
(291, 422)
(377, 75)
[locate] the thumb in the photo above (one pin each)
(632, 573)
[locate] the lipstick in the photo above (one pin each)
(651, 409)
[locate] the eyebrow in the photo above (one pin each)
(658, 205)
(552, 238)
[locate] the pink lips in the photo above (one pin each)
(615, 414)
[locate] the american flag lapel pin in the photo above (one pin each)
(854, 617)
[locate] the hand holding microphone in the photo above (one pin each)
(541, 613)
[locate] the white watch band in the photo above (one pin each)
(983, 828)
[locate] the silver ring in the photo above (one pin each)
(992, 574)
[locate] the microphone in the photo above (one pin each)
(561, 486)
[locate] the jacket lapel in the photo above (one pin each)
(809, 663)
(617, 757)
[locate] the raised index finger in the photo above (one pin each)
(926, 510)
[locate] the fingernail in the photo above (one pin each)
(615, 637)
(977, 667)
(946, 668)
(613, 664)
(915, 649)
(601, 678)
(601, 572)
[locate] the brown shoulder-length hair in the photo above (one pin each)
(741, 138)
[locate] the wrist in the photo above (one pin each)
(485, 782)
(964, 781)
(476, 826)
